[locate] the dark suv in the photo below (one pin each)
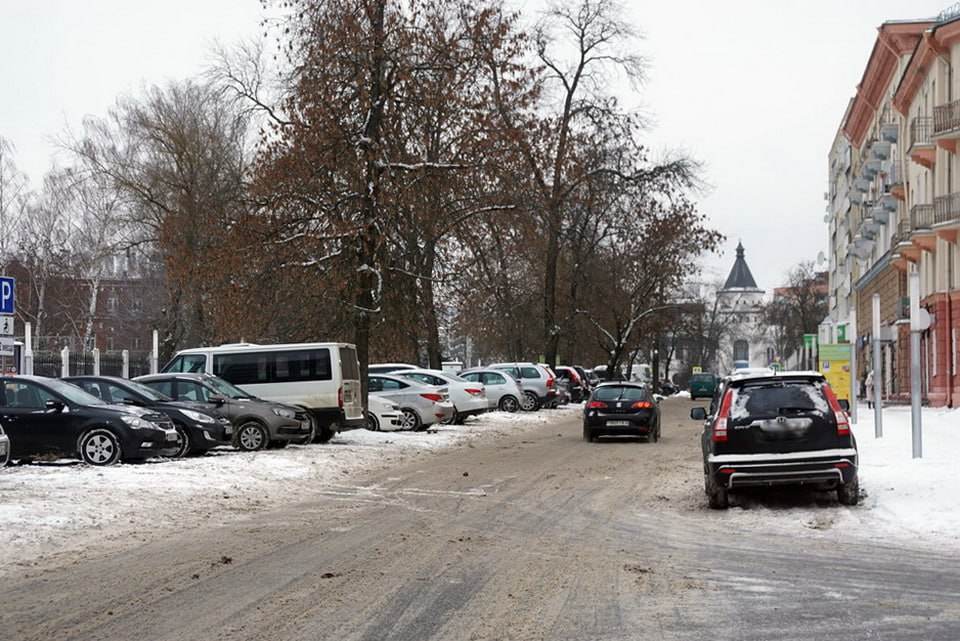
(781, 429)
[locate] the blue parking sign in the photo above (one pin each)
(7, 289)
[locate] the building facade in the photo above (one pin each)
(740, 302)
(894, 204)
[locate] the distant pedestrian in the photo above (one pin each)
(868, 385)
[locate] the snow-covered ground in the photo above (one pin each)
(56, 508)
(913, 501)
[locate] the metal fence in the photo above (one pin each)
(50, 363)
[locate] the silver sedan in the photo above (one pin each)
(421, 405)
(503, 391)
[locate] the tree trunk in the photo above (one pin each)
(551, 334)
(434, 355)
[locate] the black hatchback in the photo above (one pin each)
(47, 416)
(621, 409)
(777, 429)
(199, 428)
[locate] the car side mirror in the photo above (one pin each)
(217, 400)
(844, 405)
(698, 414)
(54, 406)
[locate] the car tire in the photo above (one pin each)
(849, 493)
(325, 433)
(373, 423)
(312, 435)
(718, 498)
(588, 435)
(99, 447)
(454, 418)
(410, 420)
(252, 436)
(183, 442)
(509, 404)
(530, 402)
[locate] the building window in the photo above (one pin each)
(112, 304)
(741, 350)
(136, 343)
(110, 343)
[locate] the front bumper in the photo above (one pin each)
(154, 443)
(830, 467)
(291, 429)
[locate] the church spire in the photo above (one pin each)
(740, 276)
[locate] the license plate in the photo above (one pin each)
(228, 429)
(618, 423)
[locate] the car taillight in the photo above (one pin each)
(340, 397)
(719, 434)
(436, 398)
(550, 383)
(642, 405)
(843, 423)
(474, 391)
(596, 405)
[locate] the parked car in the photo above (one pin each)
(321, 378)
(48, 416)
(503, 390)
(576, 382)
(777, 429)
(703, 385)
(589, 376)
(621, 409)
(256, 423)
(388, 368)
(383, 414)
(421, 405)
(198, 428)
(4, 448)
(539, 385)
(468, 398)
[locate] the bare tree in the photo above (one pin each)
(14, 199)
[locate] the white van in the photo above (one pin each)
(323, 378)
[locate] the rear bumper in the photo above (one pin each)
(607, 423)
(831, 467)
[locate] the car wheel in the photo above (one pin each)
(530, 402)
(588, 434)
(183, 442)
(410, 420)
(454, 418)
(312, 434)
(717, 497)
(849, 493)
(252, 436)
(373, 423)
(99, 447)
(325, 433)
(508, 404)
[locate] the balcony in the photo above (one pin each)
(904, 251)
(921, 223)
(922, 149)
(946, 216)
(946, 125)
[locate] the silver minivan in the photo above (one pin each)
(322, 378)
(539, 384)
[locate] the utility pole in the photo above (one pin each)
(877, 371)
(854, 376)
(916, 327)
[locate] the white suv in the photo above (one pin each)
(538, 383)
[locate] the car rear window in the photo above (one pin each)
(782, 398)
(529, 372)
(701, 378)
(618, 393)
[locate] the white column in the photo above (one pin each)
(125, 356)
(155, 354)
(28, 349)
(96, 361)
(65, 362)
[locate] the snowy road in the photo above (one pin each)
(522, 535)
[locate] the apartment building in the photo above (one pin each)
(895, 204)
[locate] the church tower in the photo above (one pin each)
(741, 304)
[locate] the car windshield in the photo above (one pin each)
(147, 392)
(72, 393)
(225, 388)
(620, 393)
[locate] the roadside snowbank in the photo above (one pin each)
(59, 507)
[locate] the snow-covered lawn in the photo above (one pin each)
(904, 500)
(56, 508)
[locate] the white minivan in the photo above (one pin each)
(323, 378)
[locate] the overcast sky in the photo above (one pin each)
(755, 89)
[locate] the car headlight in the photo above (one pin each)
(198, 416)
(284, 412)
(136, 422)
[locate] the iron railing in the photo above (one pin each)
(946, 117)
(946, 208)
(921, 217)
(902, 232)
(921, 131)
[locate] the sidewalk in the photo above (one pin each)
(907, 495)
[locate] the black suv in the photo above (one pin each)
(626, 409)
(198, 427)
(47, 416)
(779, 429)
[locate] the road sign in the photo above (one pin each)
(810, 341)
(6, 326)
(7, 290)
(6, 346)
(697, 369)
